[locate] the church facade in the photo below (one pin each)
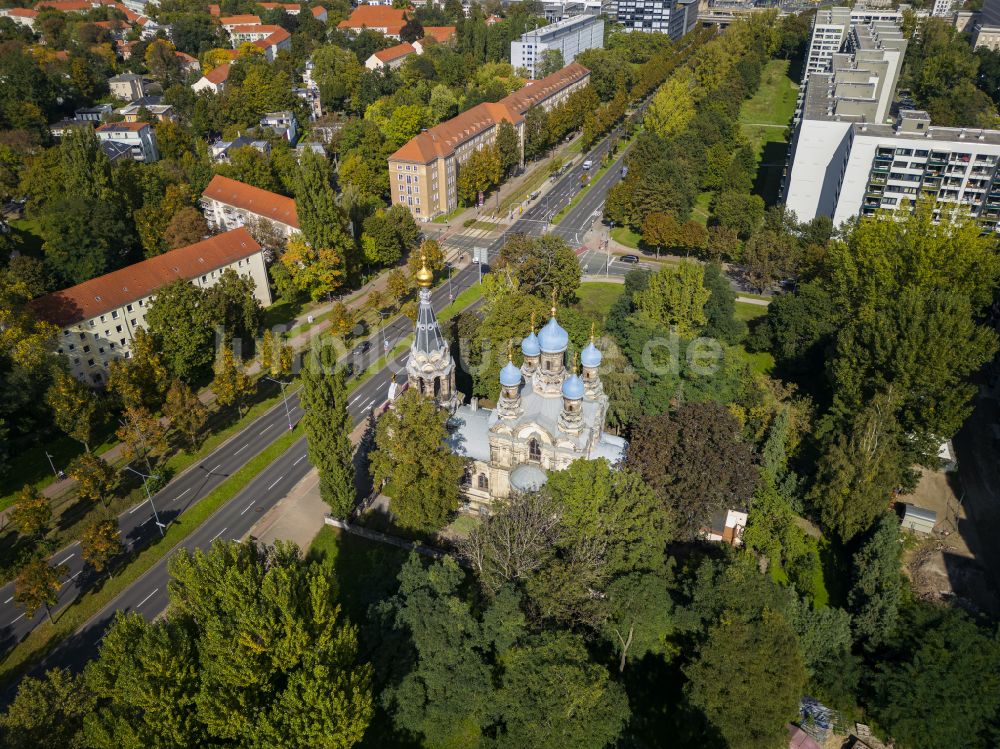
(547, 415)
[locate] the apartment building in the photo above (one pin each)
(422, 173)
(270, 39)
(390, 21)
(214, 80)
(391, 57)
(570, 37)
(868, 167)
(127, 86)
(683, 18)
(98, 318)
(231, 22)
(831, 28)
(644, 15)
(138, 136)
(229, 204)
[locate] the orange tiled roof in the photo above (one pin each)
(66, 6)
(214, 10)
(317, 11)
(246, 20)
(375, 17)
(112, 290)
(394, 53)
(249, 198)
(277, 37)
(442, 140)
(22, 12)
(218, 74)
(287, 7)
(439, 33)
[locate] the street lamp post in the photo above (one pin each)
(450, 297)
(149, 496)
(55, 472)
(284, 400)
(385, 344)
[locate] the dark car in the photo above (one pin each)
(629, 258)
(362, 348)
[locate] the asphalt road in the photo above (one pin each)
(148, 595)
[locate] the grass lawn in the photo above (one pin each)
(366, 571)
(701, 207)
(761, 362)
(44, 638)
(482, 225)
(449, 215)
(596, 299)
(624, 235)
(746, 311)
(764, 119)
(30, 235)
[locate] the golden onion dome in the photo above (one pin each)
(424, 276)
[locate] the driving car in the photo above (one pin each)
(629, 258)
(362, 348)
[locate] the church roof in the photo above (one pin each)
(591, 356)
(428, 338)
(552, 338)
(527, 477)
(510, 375)
(529, 345)
(572, 387)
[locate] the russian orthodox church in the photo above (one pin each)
(546, 417)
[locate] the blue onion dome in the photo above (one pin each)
(529, 346)
(510, 376)
(552, 338)
(590, 356)
(572, 387)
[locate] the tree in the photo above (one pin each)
(541, 265)
(550, 61)
(672, 107)
(323, 223)
(740, 212)
(74, 407)
(341, 319)
(412, 464)
(380, 241)
(316, 271)
(100, 543)
(480, 173)
(232, 385)
(859, 466)
(944, 668)
(185, 227)
(768, 257)
(675, 297)
(235, 307)
(798, 328)
(96, 479)
(552, 696)
(188, 415)
(720, 309)
(443, 103)
(748, 679)
(723, 243)
(397, 284)
(328, 427)
(660, 230)
(695, 461)
(640, 616)
(508, 146)
(141, 435)
(141, 379)
(47, 713)
(249, 625)
(275, 355)
(877, 588)
(182, 325)
(514, 541)
(31, 513)
(161, 60)
(37, 586)
(430, 253)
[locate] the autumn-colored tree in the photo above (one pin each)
(480, 173)
(692, 236)
(397, 284)
(232, 385)
(100, 542)
(318, 271)
(660, 231)
(140, 380)
(74, 406)
(31, 513)
(96, 480)
(37, 586)
(141, 435)
(675, 296)
(187, 414)
(341, 319)
(431, 253)
(276, 356)
(161, 59)
(185, 227)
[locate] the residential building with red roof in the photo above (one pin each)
(98, 318)
(214, 80)
(138, 136)
(67, 6)
(442, 34)
(215, 10)
(292, 9)
(231, 22)
(270, 39)
(390, 21)
(422, 174)
(319, 13)
(20, 16)
(228, 204)
(188, 63)
(391, 57)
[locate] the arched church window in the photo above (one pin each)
(484, 483)
(534, 450)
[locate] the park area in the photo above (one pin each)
(765, 119)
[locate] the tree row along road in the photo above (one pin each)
(148, 594)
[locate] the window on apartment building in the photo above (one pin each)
(100, 350)
(132, 323)
(129, 308)
(114, 315)
(90, 362)
(91, 323)
(112, 345)
(118, 328)
(71, 347)
(204, 278)
(128, 354)
(122, 341)
(76, 362)
(86, 349)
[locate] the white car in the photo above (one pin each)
(587, 164)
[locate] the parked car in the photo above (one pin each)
(362, 348)
(629, 258)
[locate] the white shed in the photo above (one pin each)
(918, 519)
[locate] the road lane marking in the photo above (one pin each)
(145, 521)
(67, 559)
(16, 620)
(299, 460)
(216, 468)
(265, 429)
(359, 395)
(9, 599)
(182, 494)
(138, 506)
(248, 507)
(217, 535)
(68, 580)
(275, 482)
(147, 598)
(241, 449)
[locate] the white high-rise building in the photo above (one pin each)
(644, 15)
(570, 37)
(831, 28)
